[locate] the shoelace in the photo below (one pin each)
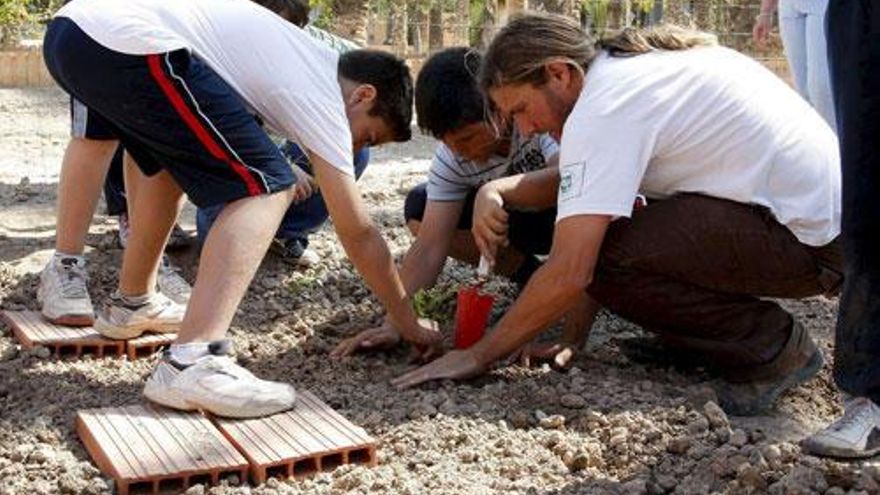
(225, 365)
(73, 281)
(857, 413)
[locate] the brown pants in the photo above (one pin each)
(692, 269)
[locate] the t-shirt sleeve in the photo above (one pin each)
(602, 162)
(445, 180)
(317, 124)
(549, 146)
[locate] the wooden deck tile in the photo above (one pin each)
(148, 449)
(309, 438)
(31, 330)
(147, 344)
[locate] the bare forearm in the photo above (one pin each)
(372, 259)
(421, 266)
(532, 190)
(549, 294)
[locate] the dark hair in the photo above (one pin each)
(393, 82)
(447, 95)
(294, 11)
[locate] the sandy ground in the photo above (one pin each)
(609, 425)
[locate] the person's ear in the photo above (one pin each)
(558, 73)
(363, 94)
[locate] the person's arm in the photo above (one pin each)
(367, 250)
(764, 21)
(426, 256)
(419, 269)
(532, 190)
(552, 290)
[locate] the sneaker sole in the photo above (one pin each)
(133, 331)
(237, 413)
(836, 453)
(71, 320)
(180, 404)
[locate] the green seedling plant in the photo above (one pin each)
(436, 303)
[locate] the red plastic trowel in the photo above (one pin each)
(472, 310)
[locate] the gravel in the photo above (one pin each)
(607, 425)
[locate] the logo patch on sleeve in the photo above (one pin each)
(571, 180)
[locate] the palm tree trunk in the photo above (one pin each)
(351, 19)
(398, 18)
(463, 21)
(435, 27)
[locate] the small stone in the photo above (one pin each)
(771, 453)
(698, 426)
(835, 490)
(540, 415)
(751, 477)
(553, 422)
(581, 462)
(635, 487)
(41, 456)
(667, 482)
(738, 438)
(715, 415)
(42, 352)
(679, 445)
(518, 419)
(573, 401)
(200, 489)
(21, 452)
(68, 483)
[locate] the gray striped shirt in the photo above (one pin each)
(452, 177)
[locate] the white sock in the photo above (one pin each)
(187, 354)
(132, 301)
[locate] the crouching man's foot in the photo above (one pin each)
(128, 317)
(854, 436)
(215, 384)
(798, 361)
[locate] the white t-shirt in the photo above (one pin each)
(452, 177)
(706, 120)
(284, 75)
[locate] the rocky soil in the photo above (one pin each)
(608, 425)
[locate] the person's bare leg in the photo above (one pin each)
(235, 245)
(133, 177)
(152, 212)
(83, 170)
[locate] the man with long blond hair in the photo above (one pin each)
(743, 183)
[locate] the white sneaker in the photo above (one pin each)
(217, 385)
(855, 435)
(172, 284)
(62, 293)
(120, 322)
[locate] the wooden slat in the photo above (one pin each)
(142, 444)
(310, 431)
(32, 330)
(150, 343)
